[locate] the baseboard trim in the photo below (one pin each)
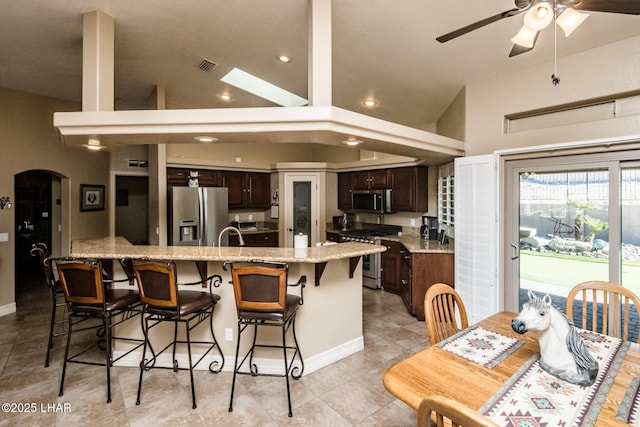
(265, 365)
(7, 309)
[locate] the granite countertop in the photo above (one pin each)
(417, 245)
(119, 247)
(263, 227)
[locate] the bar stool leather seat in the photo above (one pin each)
(165, 302)
(87, 297)
(262, 300)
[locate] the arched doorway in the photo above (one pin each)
(37, 220)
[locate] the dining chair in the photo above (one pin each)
(440, 304)
(434, 410)
(604, 307)
(262, 299)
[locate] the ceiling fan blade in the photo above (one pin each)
(630, 7)
(464, 30)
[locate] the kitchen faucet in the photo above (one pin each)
(227, 229)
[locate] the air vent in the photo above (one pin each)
(138, 163)
(206, 65)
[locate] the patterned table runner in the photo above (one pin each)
(629, 410)
(532, 397)
(481, 346)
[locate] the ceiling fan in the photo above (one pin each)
(568, 14)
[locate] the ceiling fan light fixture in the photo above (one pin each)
(539, 16)
(570, 19)
(526, 37)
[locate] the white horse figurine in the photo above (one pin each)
(562, 351)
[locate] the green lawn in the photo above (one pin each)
(568, 271)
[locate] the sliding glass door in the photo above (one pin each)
(630, 225)
(569, 220)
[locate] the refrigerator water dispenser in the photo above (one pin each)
(188, 231)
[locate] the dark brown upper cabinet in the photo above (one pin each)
(369, 180)
(248, 190)
(409, 189)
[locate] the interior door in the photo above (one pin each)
(301, 207)
(131, 208)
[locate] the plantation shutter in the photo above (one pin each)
(476, 235)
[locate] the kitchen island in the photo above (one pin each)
(328, 326)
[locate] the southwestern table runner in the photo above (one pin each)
(481, 346)
(629, 410)
(532, 397)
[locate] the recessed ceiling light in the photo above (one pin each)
(94, 144)
(283, 58)
(352, 141)
(370, 102)
(205, 138)
(225, 97)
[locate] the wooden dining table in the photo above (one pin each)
(435, 371)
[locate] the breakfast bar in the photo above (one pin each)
(329, 324)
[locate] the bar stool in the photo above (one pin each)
(88, 298)
(164, 302)
(262, 300)
(41, 251)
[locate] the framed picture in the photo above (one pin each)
(91, 197)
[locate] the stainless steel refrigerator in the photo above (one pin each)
(197, 215)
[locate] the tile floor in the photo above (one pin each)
(347, 393)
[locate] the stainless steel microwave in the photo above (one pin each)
(373, 201)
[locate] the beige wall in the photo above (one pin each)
(451, 123)
(611, 69)
(263, 153)
(29, 141)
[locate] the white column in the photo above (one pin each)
(157, 99)
(97, 61)
(320, 65)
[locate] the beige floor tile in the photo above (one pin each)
(349, 392)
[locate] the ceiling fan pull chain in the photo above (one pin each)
(554, 77)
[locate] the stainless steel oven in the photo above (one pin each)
(371, 270)
(370, 263)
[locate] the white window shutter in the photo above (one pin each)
(475, 235)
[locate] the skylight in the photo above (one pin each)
(263, 89)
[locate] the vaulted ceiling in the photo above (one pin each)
(381, 49)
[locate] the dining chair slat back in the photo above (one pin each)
(606, 307)
(441, 302)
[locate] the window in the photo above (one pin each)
(446, 186)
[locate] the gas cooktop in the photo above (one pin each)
(369, 235)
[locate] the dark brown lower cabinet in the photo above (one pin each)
(410, 274)
(267, 239)
(390, 267)
(406, 277)
(427, 269)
